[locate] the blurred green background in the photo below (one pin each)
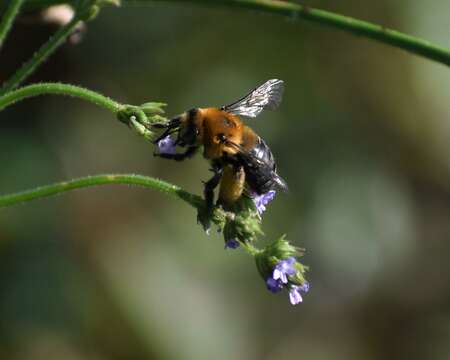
(362, 138)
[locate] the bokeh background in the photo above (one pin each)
(362, 138)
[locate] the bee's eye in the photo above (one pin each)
(221, 137)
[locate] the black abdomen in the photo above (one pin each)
(260, 169)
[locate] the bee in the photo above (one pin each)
(240, 159)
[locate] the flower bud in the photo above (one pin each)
(89, 9)
(153, 108)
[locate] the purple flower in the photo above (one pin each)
(304, 287)
(167, 145)
(231, 244)
(295, 296)
(262, 200)
(273, 285)
(283, 269)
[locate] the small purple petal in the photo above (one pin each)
(283, 268)
(231, 244)
(167, 145)
(262, 200)
(304, 287)
(280, 275)
(273, 285)
(294, 295)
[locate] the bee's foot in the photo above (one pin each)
(204, 217)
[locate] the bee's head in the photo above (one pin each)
(185, 125)
(189, 130)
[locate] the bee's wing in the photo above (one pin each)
(267, 96)
(252, 161)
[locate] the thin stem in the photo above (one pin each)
(249, 248)
(358, 27)
(8, 18)
(293, 11)
(108, 179)
(127, 179)
(98, 180)
(296, 11)
(58, 89)
(41, 55)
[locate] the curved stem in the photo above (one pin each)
(42, 192)
(358, 27)
(248, 247)
(41, 55)
(58, 89)
(8, 18)
(127, 179)
(296, 11)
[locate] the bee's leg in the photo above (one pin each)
(190, 151)
(231, 186)
(204, 215)
(210, 185)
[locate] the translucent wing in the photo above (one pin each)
(265, 97)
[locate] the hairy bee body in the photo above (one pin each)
(232, 185)
(240, 159)
(211, 126)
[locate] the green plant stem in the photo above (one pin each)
(58, 89)
(42, 192)
(127, 179)
(296, 11)
(358, 27)
(41, 55)
(8, 18)
(252, 250)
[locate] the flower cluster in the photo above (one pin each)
(240, 224)
(280, 278)
(280, 269)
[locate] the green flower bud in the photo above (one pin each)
(153, 108)
(89, 9)
(136, 119)
(89, 13)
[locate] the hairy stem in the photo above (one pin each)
(127, 179)
(41, 55)
(42, 192)
(358, 27)
(296, 11)
(58, 89)
(8, 18)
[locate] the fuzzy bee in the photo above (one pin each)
(240, 159)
